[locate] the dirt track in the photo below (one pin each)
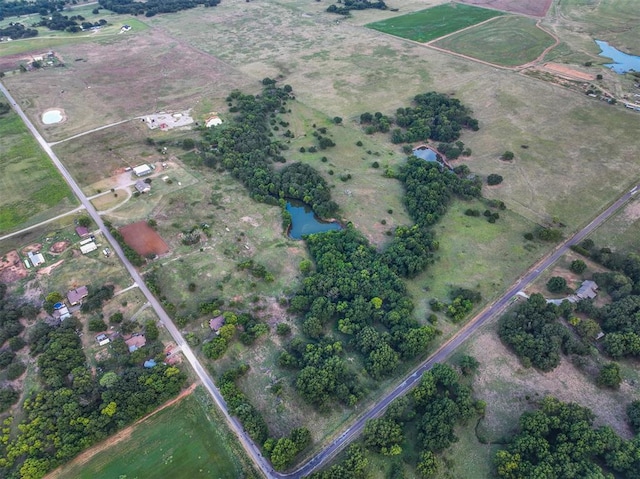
(534, 8)
(87, 455)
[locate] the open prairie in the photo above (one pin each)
(507, 41)
(32, 189)
(536, 8)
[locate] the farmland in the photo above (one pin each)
(181, 440)
(435, 22)
(32, 189)
(507, 41)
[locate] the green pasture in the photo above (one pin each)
(180, 441)
(52, 39)
(507, 41)
(432, 23)
(621, 232)
(32, 189)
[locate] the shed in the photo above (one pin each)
(75, 295)
(62, 313)
(213, 121)
(142, 187)
(103, 339)
(588, 290)
(88, 248)
(82, 231)
(143, 170)
(36, 258)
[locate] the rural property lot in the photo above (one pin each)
(128, 76)
(507, 41)
(536, 8)
(433, 23)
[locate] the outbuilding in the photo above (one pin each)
(143, 170)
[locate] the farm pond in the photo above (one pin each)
(52, 116)
(622, 62)
(425, 153)
(305, 222)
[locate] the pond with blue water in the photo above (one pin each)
(425, 153)
(622, 62)
(305, 222)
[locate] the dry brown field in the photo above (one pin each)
(144, 239)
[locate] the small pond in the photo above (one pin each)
(305, 222)
(622, 62)
(425, 153)
(50, 117)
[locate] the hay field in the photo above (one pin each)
(32, 189)
(507, 41)
(427, 25)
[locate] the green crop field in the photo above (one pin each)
(427, 25)
(507, 41)
(180, 441)
(32, 189)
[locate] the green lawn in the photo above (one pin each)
(508, 41)
(427, 25)
(180, 441)
(30, 184)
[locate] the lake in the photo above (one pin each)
(305, 222)
(622, 62)
(51, 116)
(425, 153)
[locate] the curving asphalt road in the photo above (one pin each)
(349, 434)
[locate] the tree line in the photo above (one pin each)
(344, 7)
(427, 416)
(153, 7)
(18, 30)
(10, 8)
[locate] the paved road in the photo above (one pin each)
(323, 457)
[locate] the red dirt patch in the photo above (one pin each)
(144, 239)
(567, 72)
(59, 247)
(535, 8)
(12, 268)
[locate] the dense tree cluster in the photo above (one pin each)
(10, 314)
(246, 149)
(153, 7)
(96, 297)
(11, 8)
(559, 440)
(533, 332)
(355, 292)
(355, 466)
(345, 6)
(434, 116)
(74, 408)
(17, 30)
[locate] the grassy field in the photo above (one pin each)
(507, 41)
(427, 25)
(181, 441)
(620, 232)
(32, 189)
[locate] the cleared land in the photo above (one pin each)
(32, 189)
(144, 239)
(508, 41)
(536, 8)
(179, 441)
(435, 22)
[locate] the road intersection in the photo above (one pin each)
(353, 430)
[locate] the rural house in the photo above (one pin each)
(136, 342)
(216, 323)
(142, 187)
(36, 258)
(588, 290)
(75, 295)
(102, 339)
(82, 231)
